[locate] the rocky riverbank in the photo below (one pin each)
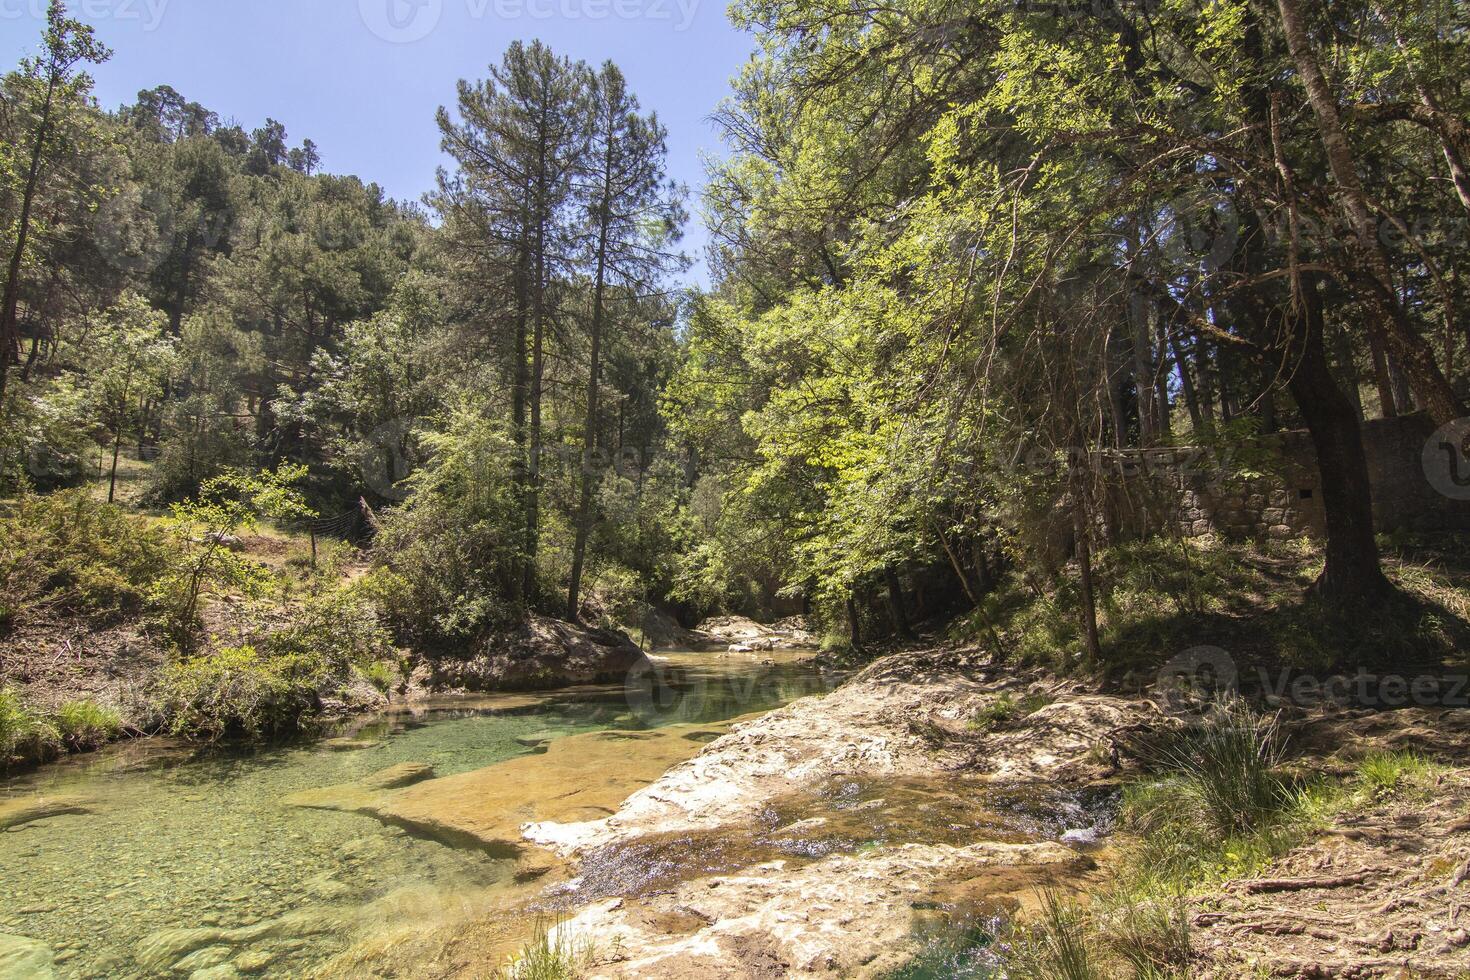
(935, 789)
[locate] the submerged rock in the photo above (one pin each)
(347, 744)
(13, 813)
(403, 774)
(578, 777)
(25, 959)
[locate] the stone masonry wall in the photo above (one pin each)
(1146, 491)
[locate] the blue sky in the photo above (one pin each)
(363, 77)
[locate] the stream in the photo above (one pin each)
(196, 852)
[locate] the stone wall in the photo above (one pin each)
(1272, 489)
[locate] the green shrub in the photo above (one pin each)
(68, 553)
(447, 561)
(25, 735)
(227, 506)
(237, 692)
(381, 675)
(86, 725)
(1006, 710)
(1231, 758)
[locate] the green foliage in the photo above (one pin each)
(1006, 710)
(25, 735)
(1059, 946)
(447, 559)
(86, 725)
(551, 955)
(227, 506)
(237, 692)
(1230, 760)
(67, 553)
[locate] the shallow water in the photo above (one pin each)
(178, 840)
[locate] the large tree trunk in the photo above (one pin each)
(1351, 577)
(589, 436)
(1416, 356)
(520, 383)
(10, 304)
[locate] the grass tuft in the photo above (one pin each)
(551, 955)
(1384, 776)
(86, 725)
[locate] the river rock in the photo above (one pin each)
(13, 813)
(347, 744)
(203, 959)
(225, 971)
(740, 634)
(158, 952)
(403, 774)
(850, 914)
(254, 961)
(542, 654)
(25, 959)
(846, 915)
(578, 777)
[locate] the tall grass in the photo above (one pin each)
(551, 955)
(86, 725)
(1229, 762)
(1060, 945)
(26, 735)
(1385, 775)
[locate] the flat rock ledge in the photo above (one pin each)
(853, 913)
(879, 724)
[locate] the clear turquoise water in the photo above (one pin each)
(176, 839)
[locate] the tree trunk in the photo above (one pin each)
(589, 436)
(1351, 577)
(10, 305)
(1080, 527)
(520, 383)
(1429, 384)
(112, 477)
(895, 605)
